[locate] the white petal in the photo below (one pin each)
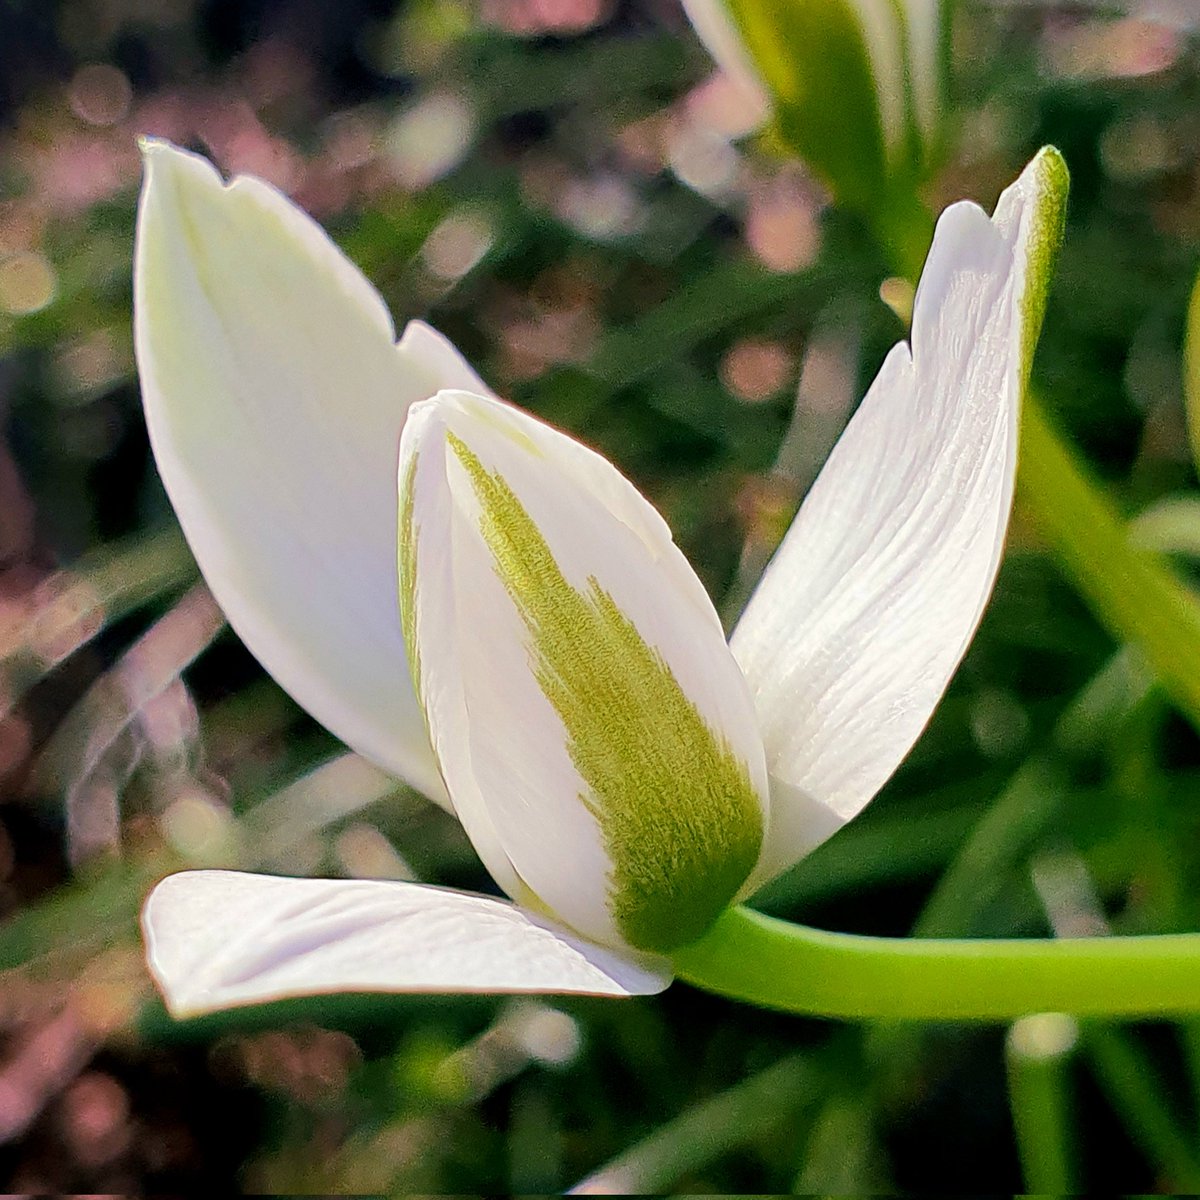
(870, 602)
(220, 939)
(274, 395)
(509, 755)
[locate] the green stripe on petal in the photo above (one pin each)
(407, 564)
(1050, 177)
(679, 815)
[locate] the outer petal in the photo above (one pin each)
(870, 602)
(274, 395)
(592, 727)
(220, 939)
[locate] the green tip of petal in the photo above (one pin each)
(1050, 180)
(679, 815)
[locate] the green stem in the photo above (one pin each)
(793, 968)
(1038, 1059)
(700, 1135)
(1137, 1094)
(1132, 591)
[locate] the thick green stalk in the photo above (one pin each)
(793, 968)
(1132, 591)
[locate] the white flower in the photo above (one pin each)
(855, 84)
(622, 772)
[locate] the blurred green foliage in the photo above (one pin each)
(557, 186)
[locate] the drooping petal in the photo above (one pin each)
(592, 727)
(274, 394)
(870, 602)
(220, 939)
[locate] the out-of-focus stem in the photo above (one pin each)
(1123, 1075)
(1131, 590)
(1038, 1054)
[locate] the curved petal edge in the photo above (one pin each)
(224, 939)
(593, 729)
(274, 394)
(870, 603)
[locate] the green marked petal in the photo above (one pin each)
(274, 392)
(578, 689)
(1034, 211)
(876, 591)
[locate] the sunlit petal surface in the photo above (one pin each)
(870, 602)
(594, 732)
(275, 394)
(220, 939)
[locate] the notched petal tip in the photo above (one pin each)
(872, 599)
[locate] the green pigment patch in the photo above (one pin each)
(408, 575)
(1045, 238)
(678, 813)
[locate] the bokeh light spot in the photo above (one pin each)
(100, 94)
(27, 283)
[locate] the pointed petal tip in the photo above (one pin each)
(268, 362)
(1037, 205)
(1041, 190)
(151, 146)
(1050, 165)
(425, 425)
(453, 410)
(1046, 181)
(162, 157)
